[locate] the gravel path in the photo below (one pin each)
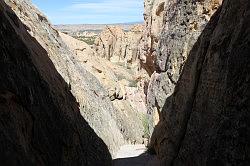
(134, 155)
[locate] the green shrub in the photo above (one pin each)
(132, 83)
(88, 40)
(145, 123)
(120, 77)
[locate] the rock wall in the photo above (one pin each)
(116, 45)
(40, 122)
(183, 23)
(154, 14)
(204, 105)
(94, 103)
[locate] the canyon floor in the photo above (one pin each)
(134, 155)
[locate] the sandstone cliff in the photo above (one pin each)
(41, 123)
(203, 89)
(94, 103)
(118, 46)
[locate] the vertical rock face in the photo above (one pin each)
(95, 105)
(118, 46)
(154, 13)
(40, 123)
(183, 23)
(206, 120)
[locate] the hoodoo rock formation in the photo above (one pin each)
(201, 85)
(118, 46)
(41, 123)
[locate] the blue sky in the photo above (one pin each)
(91, 11)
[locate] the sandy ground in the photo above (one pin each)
(134, 155)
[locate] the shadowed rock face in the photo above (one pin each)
(206, 120)
(40, 122)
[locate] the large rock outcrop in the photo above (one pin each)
(95, 105)
(40, 121)
(116, 45)
(206, 120)
(183, 23)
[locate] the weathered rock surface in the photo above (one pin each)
(206, 120)
(154, 12)
(183, 23)
(116, 45)
(95, 105)
(40, 122)
(124, 87)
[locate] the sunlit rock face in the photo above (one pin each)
(94, 103)
(40, 119)
(200, 89)
(125, 87)
(154, 13)
(116, 45)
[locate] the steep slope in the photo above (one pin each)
(40, 122)
(125, 89)
(206, 120)
(95, 105)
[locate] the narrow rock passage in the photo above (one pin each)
(134, 155)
